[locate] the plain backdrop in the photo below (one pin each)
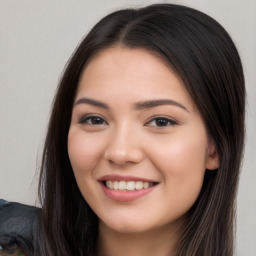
(36, 39)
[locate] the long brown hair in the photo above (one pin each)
(201, 52)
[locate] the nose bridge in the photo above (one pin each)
(124, 145)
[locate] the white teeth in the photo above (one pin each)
(122, 185)
(110, 184)
(139, 185)
(129, 185)
(116, 184)
(145, 184)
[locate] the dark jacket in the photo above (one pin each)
(18, 227)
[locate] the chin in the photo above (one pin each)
(126, 227)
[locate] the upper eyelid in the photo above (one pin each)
(87, 116)
(152, 118)
(162, 116)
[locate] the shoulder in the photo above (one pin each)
(17, 218)
(3, 202)
(18, 225)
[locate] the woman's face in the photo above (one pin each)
(137, 144)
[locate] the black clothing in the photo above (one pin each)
(18, 226)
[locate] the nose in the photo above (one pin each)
(124, 147)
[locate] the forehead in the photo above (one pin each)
(129, 53)
(124, 71)
(117, 58)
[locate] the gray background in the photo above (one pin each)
(36, 39)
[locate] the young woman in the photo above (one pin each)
(145, 140)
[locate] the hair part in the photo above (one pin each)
(201, 52)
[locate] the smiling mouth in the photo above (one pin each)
(128, 185)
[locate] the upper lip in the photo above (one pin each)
(115, 177)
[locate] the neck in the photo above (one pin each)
(159, 242)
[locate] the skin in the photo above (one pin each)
(167, 144)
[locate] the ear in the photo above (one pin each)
(212, 161)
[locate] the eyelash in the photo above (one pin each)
(165, 121)
(90, 120)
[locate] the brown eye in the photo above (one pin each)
(162, 122)
(92, 120)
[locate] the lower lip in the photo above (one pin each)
(125, 196)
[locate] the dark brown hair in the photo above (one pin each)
(201, 52)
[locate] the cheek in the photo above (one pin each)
(180, 154)
(84, 152)
(182, 163)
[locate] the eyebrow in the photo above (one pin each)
(92, 102)
(160, 102)
(138, 106)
